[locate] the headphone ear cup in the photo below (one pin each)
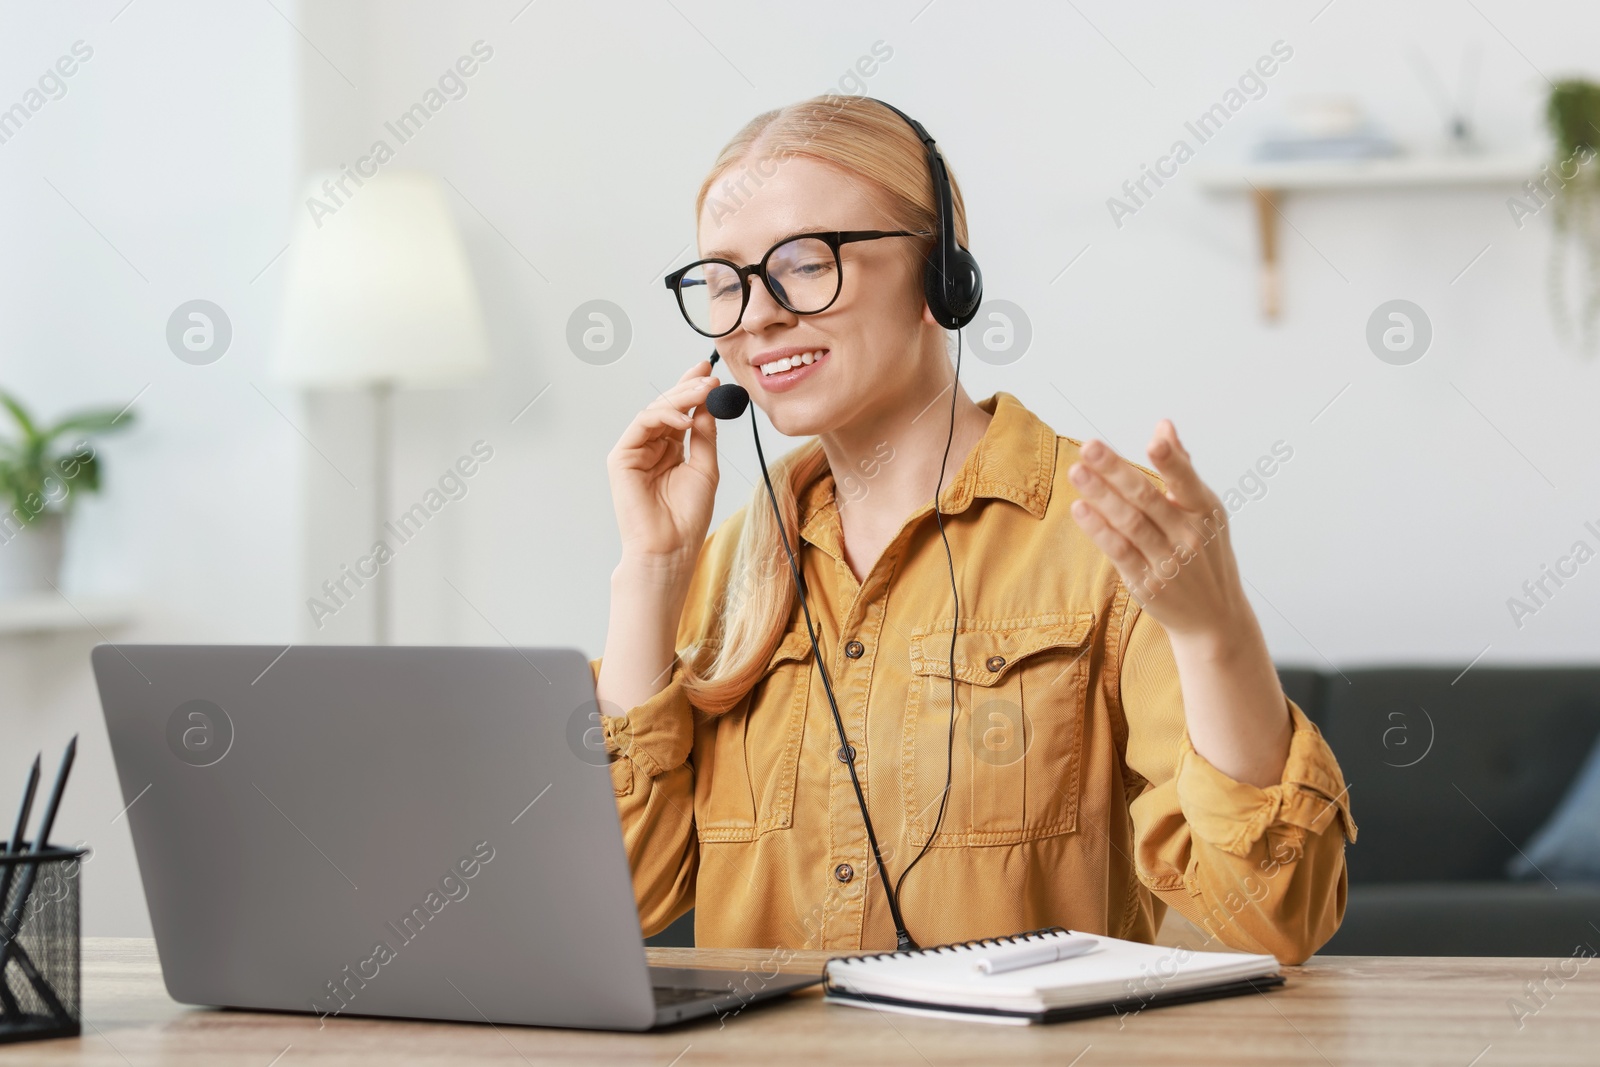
(953, 298)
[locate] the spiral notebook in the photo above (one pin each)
(1109, 976)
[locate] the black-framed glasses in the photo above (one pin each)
(803, 273)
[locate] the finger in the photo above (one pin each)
(1127, 519)
(689, 392)
(1134, 486)
(697, 370)
(1171, 459)
(668, 415)
(656, 434)
(1129, 561)
(657, 425)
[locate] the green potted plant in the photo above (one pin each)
(1573, 117)
(43, 469)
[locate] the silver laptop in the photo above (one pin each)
(419, 832)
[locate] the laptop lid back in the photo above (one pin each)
(403, 831)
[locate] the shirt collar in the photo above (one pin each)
(1014, 460)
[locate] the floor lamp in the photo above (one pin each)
(380, 297)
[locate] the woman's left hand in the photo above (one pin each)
(1172, 549)
(1173, 552)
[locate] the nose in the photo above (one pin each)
(763, 309)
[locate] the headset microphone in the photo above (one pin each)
(726, 401)
(953, 289)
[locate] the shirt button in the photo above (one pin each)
(994, 663)
(847, 753)
(854, 649)
(844, 872)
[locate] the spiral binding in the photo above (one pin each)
(1009, 939)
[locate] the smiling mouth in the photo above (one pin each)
(778, 366)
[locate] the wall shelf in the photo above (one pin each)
(41, 613)
(1269, 183)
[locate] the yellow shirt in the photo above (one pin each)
(1076, 798)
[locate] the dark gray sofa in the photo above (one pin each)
(1449, 774)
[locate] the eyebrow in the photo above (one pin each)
(723, 253)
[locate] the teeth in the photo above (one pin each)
(778, 366)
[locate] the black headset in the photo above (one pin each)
(951, 280)
(952, 284)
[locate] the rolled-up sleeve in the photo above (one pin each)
(655, 735)
(653, 780)
(1259, 869)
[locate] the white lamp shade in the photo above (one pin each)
(379, 289)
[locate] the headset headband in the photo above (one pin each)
(952, 282)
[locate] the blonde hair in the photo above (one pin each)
(868, 141)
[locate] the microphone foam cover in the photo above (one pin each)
(727, 401)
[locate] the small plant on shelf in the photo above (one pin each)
(38, 476)
(1573, 117)
(43, 469)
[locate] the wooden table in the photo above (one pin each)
(1336, 1010)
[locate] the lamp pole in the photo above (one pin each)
(382, 445)
(380, 299)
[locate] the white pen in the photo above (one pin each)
(1034, 955)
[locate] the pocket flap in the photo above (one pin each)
(987, 649)
(795, 645)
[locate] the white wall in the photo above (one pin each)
(176, 142)
(1397, 532)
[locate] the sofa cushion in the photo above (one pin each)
(1467, 919)
(1567, 848)
(679, 934)
(1449, 772)
(1305, 687)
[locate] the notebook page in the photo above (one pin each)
(1113, 969)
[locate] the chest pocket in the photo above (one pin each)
(1017, 752)
(748, 759)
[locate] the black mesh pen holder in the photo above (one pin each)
(40, 969)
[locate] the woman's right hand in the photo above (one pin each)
(663, 500)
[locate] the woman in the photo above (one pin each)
(1121, 743)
